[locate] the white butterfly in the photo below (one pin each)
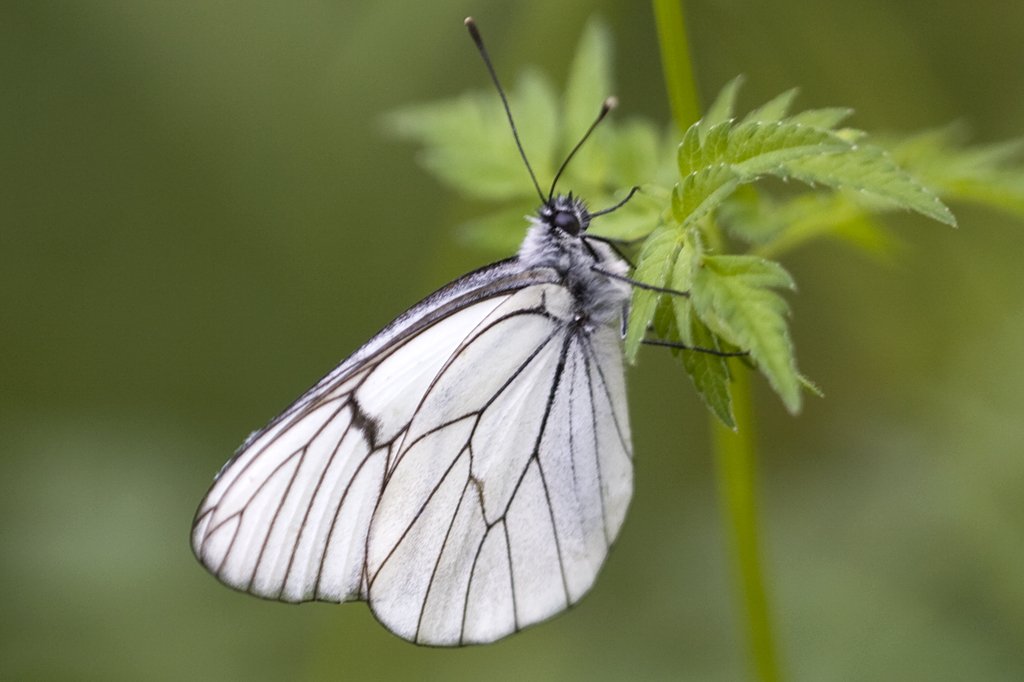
(466, 471)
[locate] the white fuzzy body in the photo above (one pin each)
(600, 298)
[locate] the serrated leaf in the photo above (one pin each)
(634, 221)
(991, 155)
(929, 145)
(870, 170)
(826, 118)
(733, 296)
(774, 109)
(775, 228)
(689, 155)
(1003, 191)
(657, 255)
(811, 387)
(716, 157)
(754, 271)
(755, 147)
(681, 279)
(989, 175)
(807, 153)
(484, 172)
(700, 193)
(851, 135)
(467, 144)
(708, 372)
(752, 216)
(715, 145)
(721, 110)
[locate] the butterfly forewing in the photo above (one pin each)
(287, 517)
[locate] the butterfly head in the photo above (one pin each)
(565, 215)
(557, 236)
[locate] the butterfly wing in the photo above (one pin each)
(512, 481)
(465, 471)
(287, 516)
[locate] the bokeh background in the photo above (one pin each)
(200, 214)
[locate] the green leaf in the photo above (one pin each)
(730, 155)
(868, 169)
(589, 84)
(772, 110)
(811, 387)
(634, 221)
(590, 80)
(717, 155)
(657, 256)
(733, 296)
(681, 279)
(701, 192)
(827, 118)
(721, 110)
(756, 148)
(989, 175)
(776, 227)
(690, 153)
(537, 118)
(708, 372)
(637, 154)
(753, 148)
(467, 144)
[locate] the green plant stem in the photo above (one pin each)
(736, 465)
(676, 63)
(734, 450)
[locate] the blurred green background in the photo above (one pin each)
(201, 215)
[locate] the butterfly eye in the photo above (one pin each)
(567, 222)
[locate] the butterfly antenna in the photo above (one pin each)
(609, 104)
(475, 33)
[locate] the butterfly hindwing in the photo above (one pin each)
(497, 514)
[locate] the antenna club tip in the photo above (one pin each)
(473, 30)
(610, 103)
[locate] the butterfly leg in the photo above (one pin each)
(638, 284)
(699, 349)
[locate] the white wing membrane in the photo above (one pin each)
(396, 385)
(466, 478)
(610, 424)
(287, 518)
(287, 525)
(508, 521)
